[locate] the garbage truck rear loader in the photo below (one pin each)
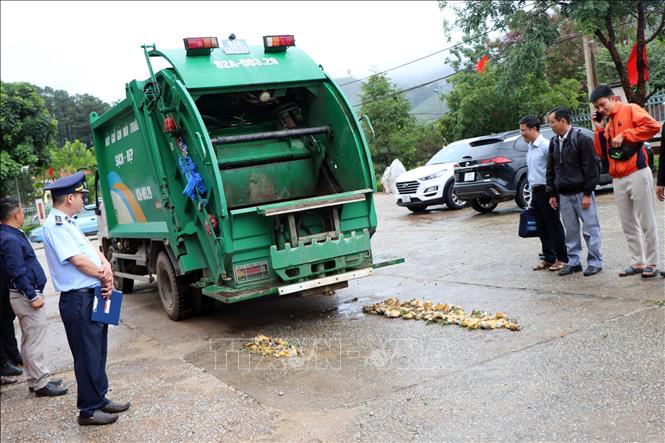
(234, 173)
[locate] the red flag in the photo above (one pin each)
(480, 67)
(50, 171)
(632, 65)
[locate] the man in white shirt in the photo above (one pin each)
(550, 229)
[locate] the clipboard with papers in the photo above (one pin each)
(106, 311)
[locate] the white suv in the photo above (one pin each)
(432, 184)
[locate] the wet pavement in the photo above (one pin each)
(589, 363)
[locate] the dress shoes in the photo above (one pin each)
(568, 269)
(557, 266)
(53, 381)
(9, 370)
(592, 270)
(114, 408)
(542, 265)
(50, 390)
(98, 418)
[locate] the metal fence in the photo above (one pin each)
(655, 106)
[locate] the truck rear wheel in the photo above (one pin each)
(172, 292)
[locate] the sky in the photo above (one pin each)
(94, 47)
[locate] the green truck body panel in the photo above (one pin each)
(286, 169)
(236, 71)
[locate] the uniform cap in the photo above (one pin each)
(67, 185)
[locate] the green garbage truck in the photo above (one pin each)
(234, 172)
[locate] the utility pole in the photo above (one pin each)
(590, 65)
(18, 192)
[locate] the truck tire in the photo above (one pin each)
(124, 285)
(484, 205)
(523, 195)
(451, 198)
(172, 292)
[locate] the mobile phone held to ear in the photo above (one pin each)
(598, 117)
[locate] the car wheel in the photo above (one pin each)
(417, 208)
(523, 196)
(484, 205)
(452, 201)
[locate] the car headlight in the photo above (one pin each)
(435, 175)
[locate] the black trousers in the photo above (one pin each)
(549, 227)
(88, 341)
(8, 346)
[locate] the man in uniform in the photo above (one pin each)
(25, 279)
(76, 269)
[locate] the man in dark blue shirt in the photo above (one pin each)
(24, 276)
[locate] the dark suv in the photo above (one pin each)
(495, 170)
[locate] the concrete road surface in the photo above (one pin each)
(589, 363)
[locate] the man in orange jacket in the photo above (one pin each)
(621, 142)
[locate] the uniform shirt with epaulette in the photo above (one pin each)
(63, 240)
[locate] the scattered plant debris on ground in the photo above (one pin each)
(441, 313)
(275, 347)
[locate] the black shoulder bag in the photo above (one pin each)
(623, 152)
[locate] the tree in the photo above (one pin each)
(417, 144)
(72, 113)
(73, 157)
(494, 101)
(27, 132)
(600, 19)
(656, 54)
(388, 111)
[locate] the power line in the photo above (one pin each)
(410, 62)
(418, 59)
(407, 89)
(561, 40)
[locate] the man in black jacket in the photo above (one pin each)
(573, 170)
